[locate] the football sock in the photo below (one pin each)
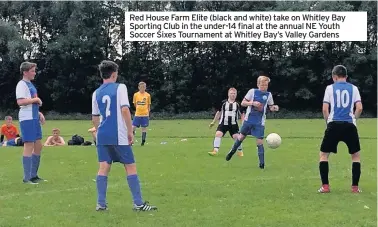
(240, 148)
(144, 134)
(134, 186)
(102, 185)
(260, 153)
(324, 169)
(236, 145)
(356, 173)
(35, 165)
(27, 164)
(217, 142)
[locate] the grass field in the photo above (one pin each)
(191, 188)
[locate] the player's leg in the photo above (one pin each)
(217, 141)
(144, 123)
(27, 131)
(104, 161)
(126, 156)
(136, 123)
(328, 146)
(36, 156)
(244, 131)
(234, 133)
(258, 132)
(351, 138)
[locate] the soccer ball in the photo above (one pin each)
(273, 140)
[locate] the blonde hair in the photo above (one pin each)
(262, 79)
(56, 130)
(232, 89)
(26, 66)
(141, 83)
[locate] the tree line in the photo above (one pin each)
(69, 39)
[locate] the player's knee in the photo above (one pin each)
(144, 129)
(28, 148)
(356, 157)
(259, 141)
(37, 147)
(323, 156)
(104, 169)
(218, 134)
(131, 169)
(241, 137)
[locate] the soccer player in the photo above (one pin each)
(55, 139)
(227, 114)
(342, 97)
(30, 122)
(16, 142)
(142, 103)
(9, 130)
(112, 120)
(257, 101)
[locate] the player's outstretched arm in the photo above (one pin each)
(48, 142)
(216, 117)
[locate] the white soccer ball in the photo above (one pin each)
(273, 140)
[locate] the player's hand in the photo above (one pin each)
(130, 137)
(275, 108)
(258, 106)
(211, 124)
(42, 119)
(38, 101)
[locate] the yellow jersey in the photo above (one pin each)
(142, 102)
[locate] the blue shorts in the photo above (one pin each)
(11, 142)
(115, 153)
(31, 130)
(253, 130)
(141, 122)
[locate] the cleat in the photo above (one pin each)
(101, 208)
(229, 155)
(240, 153)
(324, 189)
(37, 179)
(213, 153)
(262, 166)
(144, 207)
(356, 189)
(142, 144)
(29, 182)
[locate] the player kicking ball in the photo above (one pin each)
(256, 101)
(227, 114)
(342, 97)
(110, 102)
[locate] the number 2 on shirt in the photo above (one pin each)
(106, 100)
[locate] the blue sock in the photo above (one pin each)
(102, 185)
(27, 163)
(260, 152)
(144, 134)
(134, 186)
(236, 145)
(35, 165)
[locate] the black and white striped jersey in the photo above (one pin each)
(230, 112)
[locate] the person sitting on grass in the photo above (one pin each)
(16, 142)
(55, 139)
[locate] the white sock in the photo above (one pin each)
(217, 142)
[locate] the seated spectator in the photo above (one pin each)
(9, 130)
(16, 142)
(55, 139)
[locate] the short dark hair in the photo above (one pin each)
(107, 68)
(339, 70)
(26, 66)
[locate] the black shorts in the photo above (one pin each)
(232, 129)
(340, 131)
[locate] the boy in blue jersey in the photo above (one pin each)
(30, 122)
(341, 97)
(112, 120)
(256, 101)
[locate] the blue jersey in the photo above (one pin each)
(25, 89)
(254, 116)
(342, 96)
(107, 102)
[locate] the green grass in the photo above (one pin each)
(193, 189)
